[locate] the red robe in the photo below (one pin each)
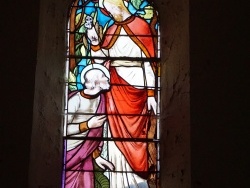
(127, 105)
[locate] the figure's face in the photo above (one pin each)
(96, 81)
(103, 81)
(114, 10)
(90, 80)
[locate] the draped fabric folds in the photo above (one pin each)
(128, 118)
(79, 161)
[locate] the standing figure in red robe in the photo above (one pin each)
(127, 45)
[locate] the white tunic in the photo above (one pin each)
(80, 109)
(135, 75)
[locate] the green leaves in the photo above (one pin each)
(101, 181)
(72, 81)
(136, 3)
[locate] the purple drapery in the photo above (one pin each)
(79, 164)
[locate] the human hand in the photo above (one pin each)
(152, 104)
(96, 121)
(104, 164)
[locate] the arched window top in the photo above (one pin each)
(111, 122)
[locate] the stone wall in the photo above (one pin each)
(46, 145)
(175, 95)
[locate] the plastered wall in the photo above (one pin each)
(219, 93)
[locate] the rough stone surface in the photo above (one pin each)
(46, 146)
(175, 121)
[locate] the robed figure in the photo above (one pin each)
(126, 48)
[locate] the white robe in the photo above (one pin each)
(139, 77)
(80, 109)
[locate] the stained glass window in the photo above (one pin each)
(112, 95)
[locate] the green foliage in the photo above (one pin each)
(136, 3)
(78, 52)
(78, 36)
(82, 29)
(72, 80)
(101, 181)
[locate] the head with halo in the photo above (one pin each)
(95, 77)
(116, 8)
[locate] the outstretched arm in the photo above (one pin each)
(94, 122)
(150, 81)
(81, 124)
(94, 39)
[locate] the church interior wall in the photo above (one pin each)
(204, 94)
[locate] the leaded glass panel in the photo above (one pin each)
(112, 95)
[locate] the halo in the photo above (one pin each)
(94, 66)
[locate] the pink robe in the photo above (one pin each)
(79, 161)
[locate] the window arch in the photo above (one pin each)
(111, 122)
(46, 151)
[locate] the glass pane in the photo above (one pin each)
(112, 95)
